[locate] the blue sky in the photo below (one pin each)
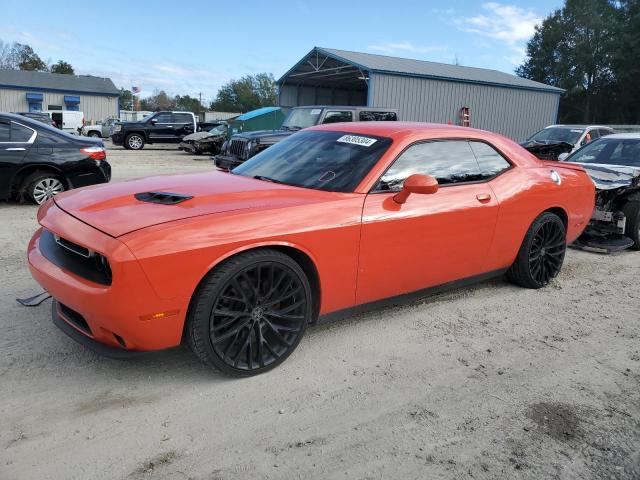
(197, 48)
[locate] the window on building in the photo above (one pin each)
(338, 116)
(378, 116)
(54, 107)
(450, 162)
(35, 107)
(74, 107)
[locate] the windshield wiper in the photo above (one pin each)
(267, 179)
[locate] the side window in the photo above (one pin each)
(604, 132)
(595, 133)
(20, 133)
(163, 118)
(5, 132)
(449, 161)
(491, 162)
(182, 118)
(378, 116)
(338, 116)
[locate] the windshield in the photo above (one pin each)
(330, 161)
(558, 134)
(299, 118)
(609, 151)
(218, 130)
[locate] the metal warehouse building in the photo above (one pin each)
(27, 91)
(422, 91)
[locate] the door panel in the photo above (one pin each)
(429, 240)
(162, 130)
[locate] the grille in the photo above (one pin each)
(73, 247)
(238, 147)
(75, 318)
(75, 258)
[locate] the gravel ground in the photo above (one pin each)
(486, 382)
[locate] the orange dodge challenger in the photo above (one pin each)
(238, 264)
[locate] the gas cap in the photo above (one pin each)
(555, 177)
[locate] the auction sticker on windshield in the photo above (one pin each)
(356, 140)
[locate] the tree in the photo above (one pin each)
(188, 104)
(625, 63)
(158, 101)
(573, 49)
(28, 59)
(248, 93)
(17, 56)
(125, 99)
(62, 67)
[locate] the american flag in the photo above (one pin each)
(136, 89)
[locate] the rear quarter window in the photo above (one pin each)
(368, 116)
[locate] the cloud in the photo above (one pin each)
(509, 24)
(407, 47)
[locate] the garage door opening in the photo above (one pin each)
(321, 79)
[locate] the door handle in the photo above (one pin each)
(15, 149)
(483, 197)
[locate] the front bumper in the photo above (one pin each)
(187, 147)
(117, 138)
(119, 315)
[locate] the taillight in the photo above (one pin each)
(97, 153)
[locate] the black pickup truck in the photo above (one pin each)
(159, 127)
(242, 146)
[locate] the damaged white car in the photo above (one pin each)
(613, 162)
(206, 141)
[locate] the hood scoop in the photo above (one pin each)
(163, 198)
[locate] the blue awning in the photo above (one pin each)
(71, 99)
(34, 97)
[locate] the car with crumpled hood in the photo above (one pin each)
(613, 163)
(208, 141)
(554, 140)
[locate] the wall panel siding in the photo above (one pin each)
(94, 107)
(516, 113)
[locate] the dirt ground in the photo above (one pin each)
(488, 382)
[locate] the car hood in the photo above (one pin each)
(547, 147)
(115, 210)
(200, 136)
(266, 135)
(609, 177)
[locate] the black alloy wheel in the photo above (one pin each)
(251, 313)
(542, 252)
(547, 252)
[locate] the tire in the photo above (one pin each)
(134, 141)
(241, 321)
(41, 186)
(94, 134)
(541, 254)
(631, 210)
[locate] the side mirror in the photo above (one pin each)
(562, 157)
(154, 121)
(417, 183)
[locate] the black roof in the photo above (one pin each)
(30, 80)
